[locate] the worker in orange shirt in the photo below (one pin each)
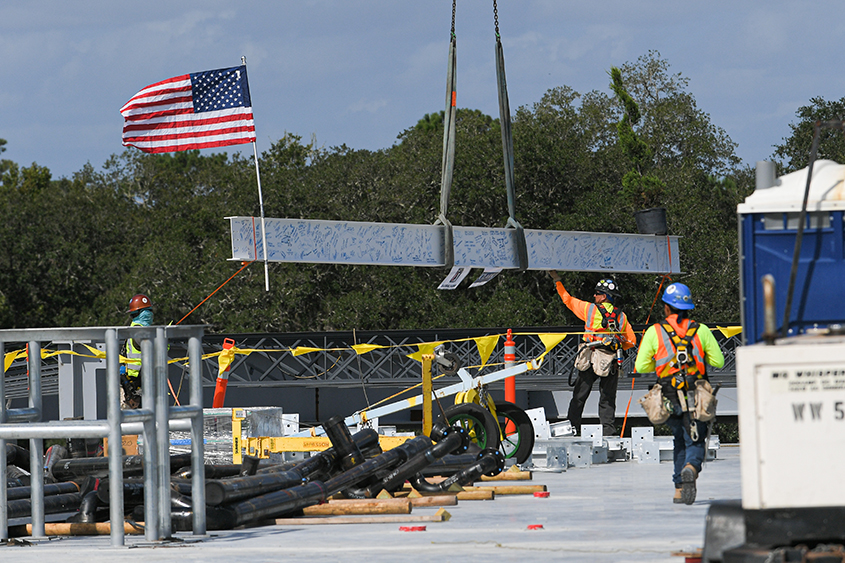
(607, 333)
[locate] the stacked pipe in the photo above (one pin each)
(250, 493)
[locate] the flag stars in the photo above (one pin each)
(218, 90)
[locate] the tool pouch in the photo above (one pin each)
(654, 405)
(582, 358)
(705, 401)
(602, 362)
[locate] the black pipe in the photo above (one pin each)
(272, 479)
(348, 453)
(285, 501)
(450, 440)
(87, 509)
(490, 462)
(16, 455)
(53, 504)
(212, 471)
(249, 465)
(16, 477)
(49, 490)
(449, 465)
(133, 491)
(53, 454)
(67, 469)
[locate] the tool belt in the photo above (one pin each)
(598, 357)
(657, 407)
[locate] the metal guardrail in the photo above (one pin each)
(153, 420)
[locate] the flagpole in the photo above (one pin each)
(261, 204)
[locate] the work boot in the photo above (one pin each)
(677, 499)
(688, 476)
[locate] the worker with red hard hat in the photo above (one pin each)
(141, 314)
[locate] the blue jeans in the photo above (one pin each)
(686, 451)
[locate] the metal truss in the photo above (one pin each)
(337, 365)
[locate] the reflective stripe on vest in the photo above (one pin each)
(593, 324)
(133, 357)
(664, 358)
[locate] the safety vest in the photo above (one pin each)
(133, 357)
(679, 353)
(597, 327)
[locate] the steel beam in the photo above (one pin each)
(397, 244)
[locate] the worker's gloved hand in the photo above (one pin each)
(554, 275)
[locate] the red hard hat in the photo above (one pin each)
(139, 302)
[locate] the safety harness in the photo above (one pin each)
(684, 360)
(610, 321)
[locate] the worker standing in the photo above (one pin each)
(678, 350)
(607, 333)
(141, 314)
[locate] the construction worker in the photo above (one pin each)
(678, 350)
(607, 333)
(141, 313)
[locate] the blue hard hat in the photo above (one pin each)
(678, 295)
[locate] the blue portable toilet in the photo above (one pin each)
(768, 223)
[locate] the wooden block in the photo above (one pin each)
(476, 495)
(510, 489)
(437, 500)
(509, 476)
(129, 443)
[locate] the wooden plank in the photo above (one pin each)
(85, 528)
(440, 516)
(337, 507)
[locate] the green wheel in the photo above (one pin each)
(479, 423)
(517, 438)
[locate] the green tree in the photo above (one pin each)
(794, 153)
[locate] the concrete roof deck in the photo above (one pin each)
(615, 512)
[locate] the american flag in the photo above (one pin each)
(192, 111)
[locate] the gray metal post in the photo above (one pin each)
(197, 446)
(151, 509)
(4, 501)
(162, 433)
(36, 445)
(115, 452)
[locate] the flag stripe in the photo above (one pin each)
(186, 132)
(187, 115)
(193, 111)
(223, 141)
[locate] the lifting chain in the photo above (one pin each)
(496, 17)
(454, 2)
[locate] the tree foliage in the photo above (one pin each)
(77, 249)
(794, 153)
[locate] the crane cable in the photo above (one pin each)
(175, 393)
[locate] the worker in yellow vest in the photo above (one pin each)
(678, 351)
(141, 314)
(607, 333)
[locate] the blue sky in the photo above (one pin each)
(360, 72)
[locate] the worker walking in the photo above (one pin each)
(141, 314)
(678, 350)
(607, 333)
